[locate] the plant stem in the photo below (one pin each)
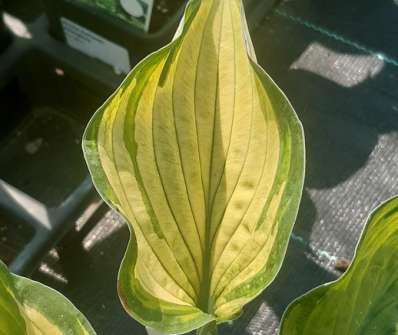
(209, 329)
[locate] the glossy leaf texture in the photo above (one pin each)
(364, 301)
(203, 155)
(30, 308)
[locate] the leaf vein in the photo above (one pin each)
(135, 217)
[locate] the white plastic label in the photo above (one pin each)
(140, 10)
(96, 46)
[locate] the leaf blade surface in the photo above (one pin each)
(204, 156)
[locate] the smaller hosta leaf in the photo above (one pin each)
(364, 301)
(30, 308)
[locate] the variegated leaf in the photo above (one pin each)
(30, 308)
(204, 156)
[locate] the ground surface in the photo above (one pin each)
(336, 61)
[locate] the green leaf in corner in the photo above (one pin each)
(30, 308)
(204, 156)
(364, 301)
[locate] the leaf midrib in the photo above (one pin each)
(204, 296)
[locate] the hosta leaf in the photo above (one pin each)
(203, 155)
(30, 308)
(364, 301)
